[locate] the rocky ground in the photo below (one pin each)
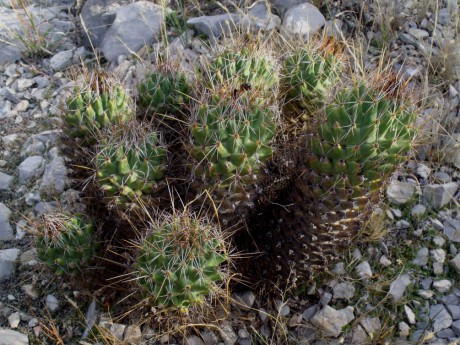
(400, 284)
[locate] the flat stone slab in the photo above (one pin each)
(6, 231)
(10, 337)
(8, 263)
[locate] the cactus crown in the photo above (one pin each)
(97, 105)
(164, 93)
(178, 261)
(130, 164)
(66, 243)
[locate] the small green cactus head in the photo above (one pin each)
(179, 261)
(238, 70)
(130, 164)
(98, 103)
(308, 75)
(164, 93)
(66, 243)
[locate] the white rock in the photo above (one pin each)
(304, 20)
(438, 268)
(418, 33)
(404, 329)
(14, 320)
(442, 285)
(439, 241)
(8, 262)
(10, 337)
(332, 321)
(399, 192)
(259, 17)
(6, 231)
(30, 290)
(372, 325)
(52, 303)
(24, 84)
(364, 270)
(440, 316)
(425, 294)
(384, 261)
(30, 168)
(409, 314)
(439, 195)
(439, 255)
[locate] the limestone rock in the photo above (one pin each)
(6, 231)
(304, 20)
(135, 26)
(8, 262)
(332, 321)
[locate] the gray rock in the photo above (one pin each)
(309, 312)
(443, 16)
(193, 340)
(384, 261)
(227, 333)
(443, 285)
(5, 182)
(283, 307)
(398, 286)
(245, 300)
(344, 291)
(445, 334)
(215, 26)
(418, 211)
(452, 230)
(332, 321)
(360, 336)
(10, 337)
(426, 283)
(399, 192)
(55, 178)
(133, 335)
(259, 17)
(62, 60)
(97, 16)
(454, 310)
(456, 328)
(6, 231)
(135, 26)
(30, 168)
(36, 148)
(14, 320)
(409, 314)
(437, 224)
(440, 317)
(45, 207)
(422, 257)
(326, 297)
(304, 20)
(52, 303)
(419, 34)
(372, 325)
(455, 263)
(439, 241)
(339, 268)
(21, 229)
(438, 268)
(442, 177)
(281, 6)
(439, 195)
(8, 259)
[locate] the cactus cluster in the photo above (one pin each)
(130, 165)
(163, 93)
(179, 261)
(231, 127)
(96, 106)
(66, 243)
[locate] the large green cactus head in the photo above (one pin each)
(308, 75)
(130, 164)
(66, 243)
(98, 103)
(231, 139)
(179, 261)
(164, 92)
